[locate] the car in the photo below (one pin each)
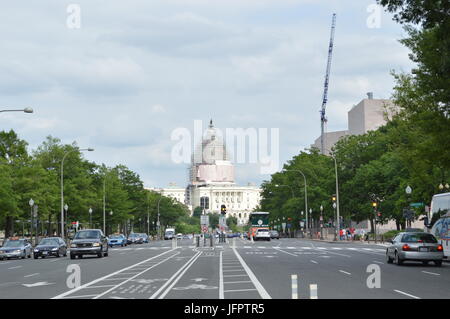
(15, 248)
(179, 236)
(144, 237)
(169, 233)
(415, 246)
(117, 240)
(50, 246)
(262, 234)
(274, 234)
(134, 238)
(89, 242)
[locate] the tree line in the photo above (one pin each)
(412, 149)
(36, 175)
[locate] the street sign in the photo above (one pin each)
(284, 226)
(302, 224)
(417, 204)
(204, 219)
(204, 229)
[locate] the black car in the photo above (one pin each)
(89, 242)
(51, 246)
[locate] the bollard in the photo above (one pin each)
(211, 242)
(198, 241)
(294, 287)
(313, 291)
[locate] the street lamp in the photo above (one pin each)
(31, 203)
(334, 217)
(25, 110)
(90, 217)
(306, 194)
(292, 191)
(321, 222)
(62, 184)
(158, 222)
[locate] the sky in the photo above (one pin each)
(134, 71)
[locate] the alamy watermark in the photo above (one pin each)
(244, 146)
(74, 18)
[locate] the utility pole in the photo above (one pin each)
(323, 118)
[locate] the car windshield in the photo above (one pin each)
(14, 243)
(88, 234)
(48, 241)
(262, 230)
(419, 238)
(116, 237)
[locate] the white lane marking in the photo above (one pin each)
(430, 273)
(262, 292)
(245, 275)
(35, 274)
(314, 262)
(226, 270)
(337, 254)
(107, 277)
(406, 294)
(344, 272)
(287, 252)
(84, 296)
(38, 284)
(221, 296)
(102, 286)
(236, 282)
(291, 248)
(15, 267)
(176, 277)
(137, 275)
(237, 290)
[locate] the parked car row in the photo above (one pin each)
(85, 242)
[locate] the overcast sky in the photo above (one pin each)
(136, 70)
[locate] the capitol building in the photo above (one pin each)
(212, 182)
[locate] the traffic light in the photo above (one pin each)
(374, 204)
(334, 197)
(223, 209)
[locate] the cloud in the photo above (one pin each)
(132, 74)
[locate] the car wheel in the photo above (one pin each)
(35, 256)
(43, 257)
(57, 255)
(100, 254)
(398, 260)
(24, 254)
(106, 254)
(80, 256)
(438, 263)
(72, 256)
(389, 259)
(425, 263)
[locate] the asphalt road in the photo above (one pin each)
(239, 270)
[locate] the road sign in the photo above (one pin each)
(417, 204)
(302, 224)
(204, 229)
(204, 219)
(284, 226)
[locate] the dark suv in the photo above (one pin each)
(89, 242)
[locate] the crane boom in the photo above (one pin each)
(323, 118)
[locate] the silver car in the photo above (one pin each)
(415, 246)
(15, 248)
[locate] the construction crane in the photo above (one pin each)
(323, 118)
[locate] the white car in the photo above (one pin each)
(262, 234)
(179, 236)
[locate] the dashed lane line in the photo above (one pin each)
(262, 292)
(406, 294)
(108, 277)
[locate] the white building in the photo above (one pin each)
(212, 182)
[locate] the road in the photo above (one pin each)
(239, 270)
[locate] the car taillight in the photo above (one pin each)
(440, 248)
(406, 247)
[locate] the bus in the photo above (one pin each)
(440, 205)
(257, 220)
